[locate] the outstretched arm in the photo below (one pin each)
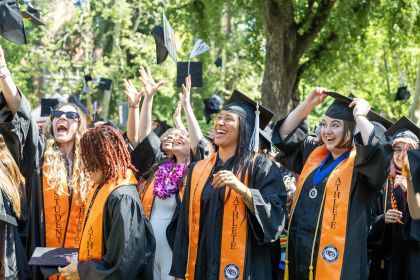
(194, 129)
(292, 121)
(8, 87)
(149, 87)
(133, 97)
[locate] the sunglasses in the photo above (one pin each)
(69, 115)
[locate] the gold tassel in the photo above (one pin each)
(286, 270)
(311, 273)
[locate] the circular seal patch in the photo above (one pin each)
(330, 253)
(313, 193)
(231, 272)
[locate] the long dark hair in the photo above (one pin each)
(243, 157)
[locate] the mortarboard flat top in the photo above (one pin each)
(47, 104)
(196, 72)
(401, 125)
(11, 23)
(245, 106)
(44, 256)
(372, 116)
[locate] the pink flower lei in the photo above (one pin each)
(168, 179)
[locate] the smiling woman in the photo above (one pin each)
(340, 175)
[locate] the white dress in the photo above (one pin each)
(162, 213)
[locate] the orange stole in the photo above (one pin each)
(334, 220)
(91, 243)
(148, 198)
(232, 259)
(63, 222)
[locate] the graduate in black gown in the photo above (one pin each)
(233, 208)
(337, 184)
(117, 240)
(394, 236)
(13, 262)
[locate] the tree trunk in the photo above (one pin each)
(284, 48)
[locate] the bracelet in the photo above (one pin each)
(134, 107)
(4, 72)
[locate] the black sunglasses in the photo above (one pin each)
(69, 115)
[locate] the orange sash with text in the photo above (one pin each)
(335, 213)
(63, 217)
(91, 243)
(234, 236)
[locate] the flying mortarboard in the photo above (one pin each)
(195, 70)
(340, 109)
(11, 23)
(171, 39)
(48, 104)
(161, 51)
(33, 14)
(257, 116)
(402, 94)
(404, 128)
(105, 84)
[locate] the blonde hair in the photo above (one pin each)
(11, 180)
(55, 170)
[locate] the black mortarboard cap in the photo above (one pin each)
(88, 77)
(43, 256)
(218, 62)
(11, 23)
(196, 72)
(161, 51)
(105, 84)
(48, 104)
(33, 14)
(404, 128)
(342, 108)
(244, 106)
(402, 94)
(74, 100)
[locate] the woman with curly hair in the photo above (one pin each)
(55, 187)
(13, 264)
(117, 240)
(162, 165)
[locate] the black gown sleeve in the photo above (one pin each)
(296, 147)
(201, 151)
(269, 199)
(373, 160)
(129, 241)
(147, 153)
(180, 251)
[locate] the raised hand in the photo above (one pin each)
(176, 118)
(316, 97)
(360, 107)
(133, 95)
(185, 97)
(149, 84)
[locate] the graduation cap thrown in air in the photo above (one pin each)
(196, 72)
(210, 107)
(339, 109)
(48, 104)
(172, 41)
(33, 14)
(161, 51)
(11, 23)
(256, 115)
(105, 84)
(404, 128)
(402, 94)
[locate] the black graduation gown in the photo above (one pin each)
(262, 254)
(13, 263)
(128, 240)
(370, 171)
(145, 158)
(23, 139)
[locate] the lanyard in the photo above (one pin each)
(322, 172)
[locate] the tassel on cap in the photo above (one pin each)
(311, 273)
(255, 139)
(286, 270)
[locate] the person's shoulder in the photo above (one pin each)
(124, 192)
